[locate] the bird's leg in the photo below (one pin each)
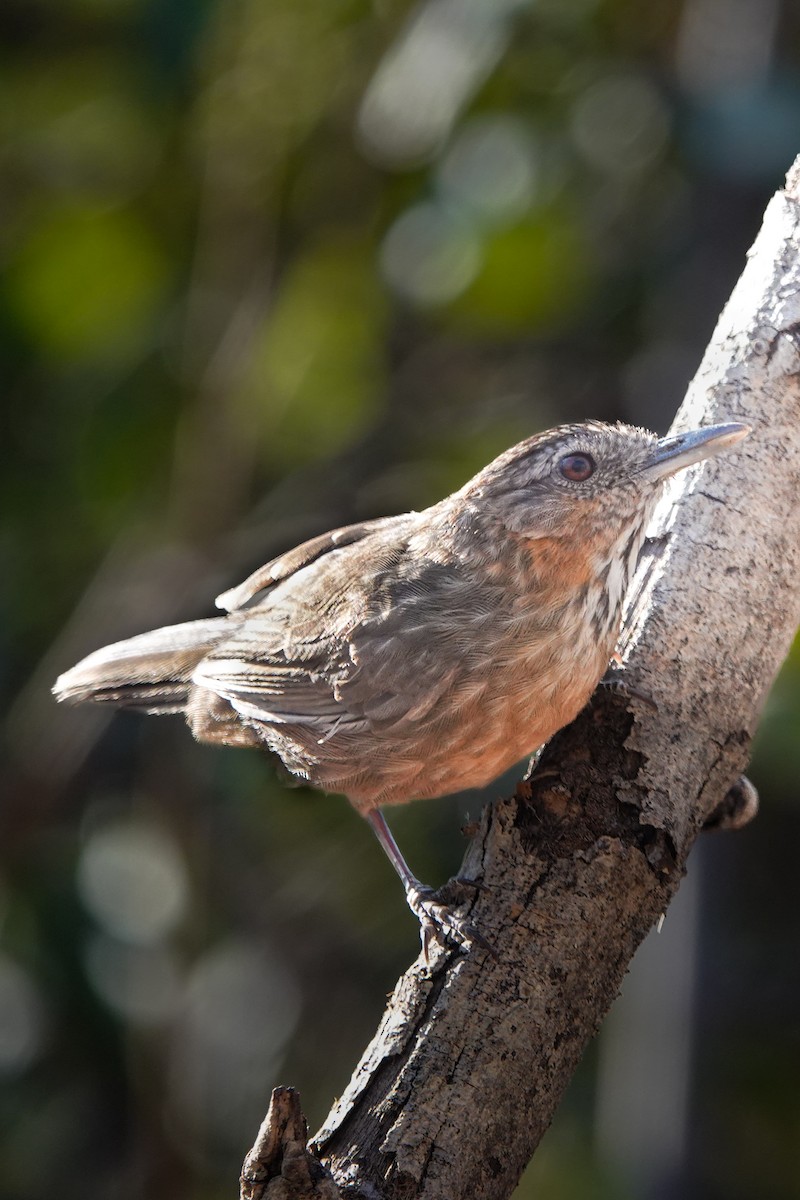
(435, 918)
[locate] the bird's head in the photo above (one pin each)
(589, 477)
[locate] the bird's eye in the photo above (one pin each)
(577, 467)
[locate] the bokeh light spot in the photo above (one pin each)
(620, 124)
(22, 1018)
(447, 49)
(132, 879)
(241, 1005)
(491, 168)
(141, 983)
(430, 254)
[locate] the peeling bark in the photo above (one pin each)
(474, 1053)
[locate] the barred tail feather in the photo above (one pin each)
(150, 672)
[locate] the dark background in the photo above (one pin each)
(271, 266)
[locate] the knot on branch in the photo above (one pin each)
(736, 809)
(279, 1166)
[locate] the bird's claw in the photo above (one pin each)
(463, 882)
(439, 921)
(616, 683)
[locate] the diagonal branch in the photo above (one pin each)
(473, 1054)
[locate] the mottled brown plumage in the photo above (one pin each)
(417, 655)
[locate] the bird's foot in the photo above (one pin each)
(440, 921)
(615, 681)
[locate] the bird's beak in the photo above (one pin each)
(674, 453)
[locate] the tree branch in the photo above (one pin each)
(473, 1054)
(279, 1167)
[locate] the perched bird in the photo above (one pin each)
(416, 655)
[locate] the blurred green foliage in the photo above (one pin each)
(85, 284)
(316, 374)
(533, 278)
(270, 267)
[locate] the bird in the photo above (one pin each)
(414, 656)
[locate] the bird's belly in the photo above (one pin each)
(490, 721)
(500, 731)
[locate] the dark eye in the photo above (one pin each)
(577, 467)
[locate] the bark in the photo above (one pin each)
(279, 1167)
(474, 1052)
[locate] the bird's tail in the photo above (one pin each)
(152, 671)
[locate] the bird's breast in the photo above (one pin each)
(465, 679)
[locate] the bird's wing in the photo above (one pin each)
(371, 637)
(422, 654)
(301, 556)
(283, 659)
